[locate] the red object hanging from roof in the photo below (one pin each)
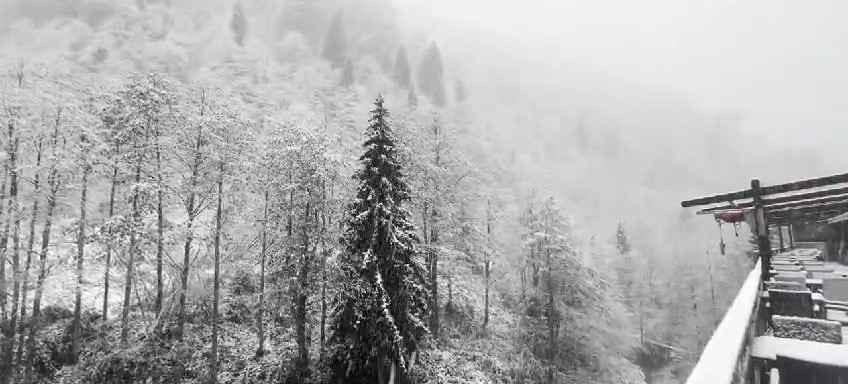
(731, 216)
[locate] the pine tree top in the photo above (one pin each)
(622, 241)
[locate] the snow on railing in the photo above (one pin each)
(719, 359)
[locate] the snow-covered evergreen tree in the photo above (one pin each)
(348, 76)
(622, 241)
(431, 76)
(380, 316)
(411, 97)
(238, 24)
(401, 73)
(335, 44)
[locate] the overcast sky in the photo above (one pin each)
(783, 63)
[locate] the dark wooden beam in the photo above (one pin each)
(802, 203)
(718, 199)
(770, 190)
(806, 184)
(810, 208)
(804, 218)
(782, 199)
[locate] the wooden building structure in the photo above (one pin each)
(768, 210)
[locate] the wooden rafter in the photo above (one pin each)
(805, 218)
(810, 208)
(803, 203)
(768, 190)
(781, 199)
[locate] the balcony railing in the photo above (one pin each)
(725, 358)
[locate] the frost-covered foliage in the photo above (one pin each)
(574, 321)
(380, 316)
(467, 181)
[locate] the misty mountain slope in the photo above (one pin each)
(634, 153)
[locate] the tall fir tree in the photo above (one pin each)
(460, 92)
(335, 43)
(348, 76)
(431, 76)
(622, 241)
(380, 316)
(401, 73)
(238, 24)
(626, 266)
(411, 97)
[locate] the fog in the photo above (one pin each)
(571, 127)
(781, 64)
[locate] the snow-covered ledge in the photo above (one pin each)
(719, 359)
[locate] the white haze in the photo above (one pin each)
(780, 64)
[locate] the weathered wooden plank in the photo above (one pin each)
(805, 218)
(822, 200)
(800, 215)
(806, 184)
(718, 199)
(782, 199)
(810, 208)
(838, 219)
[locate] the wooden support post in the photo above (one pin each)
(780, 236)
(764, 244)
(843, 231)
(791, 236)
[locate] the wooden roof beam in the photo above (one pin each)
(803, 203)
(769, 190)
(781, 199)
(806, 184)
(804, 218)
(812, 208)
(718, 199)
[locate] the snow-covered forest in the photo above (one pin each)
(321, 191)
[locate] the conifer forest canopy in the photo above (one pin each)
(389, 191)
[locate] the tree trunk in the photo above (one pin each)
(300, 300)
(553, 317)
(434, 272)
(80, 255)
(323, 302)
(695, 317)
(260, 315)
(486, 296)
(450, 289)
(30, 245)
(8, 330)
(108, 265)
(190, 209)
(213, 360)
(4, 241)
(35, 320)
(136, 216)
(325, 253)
(160, 238)
(488, 262)
(381, 367)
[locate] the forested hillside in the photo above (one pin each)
(190, 195)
